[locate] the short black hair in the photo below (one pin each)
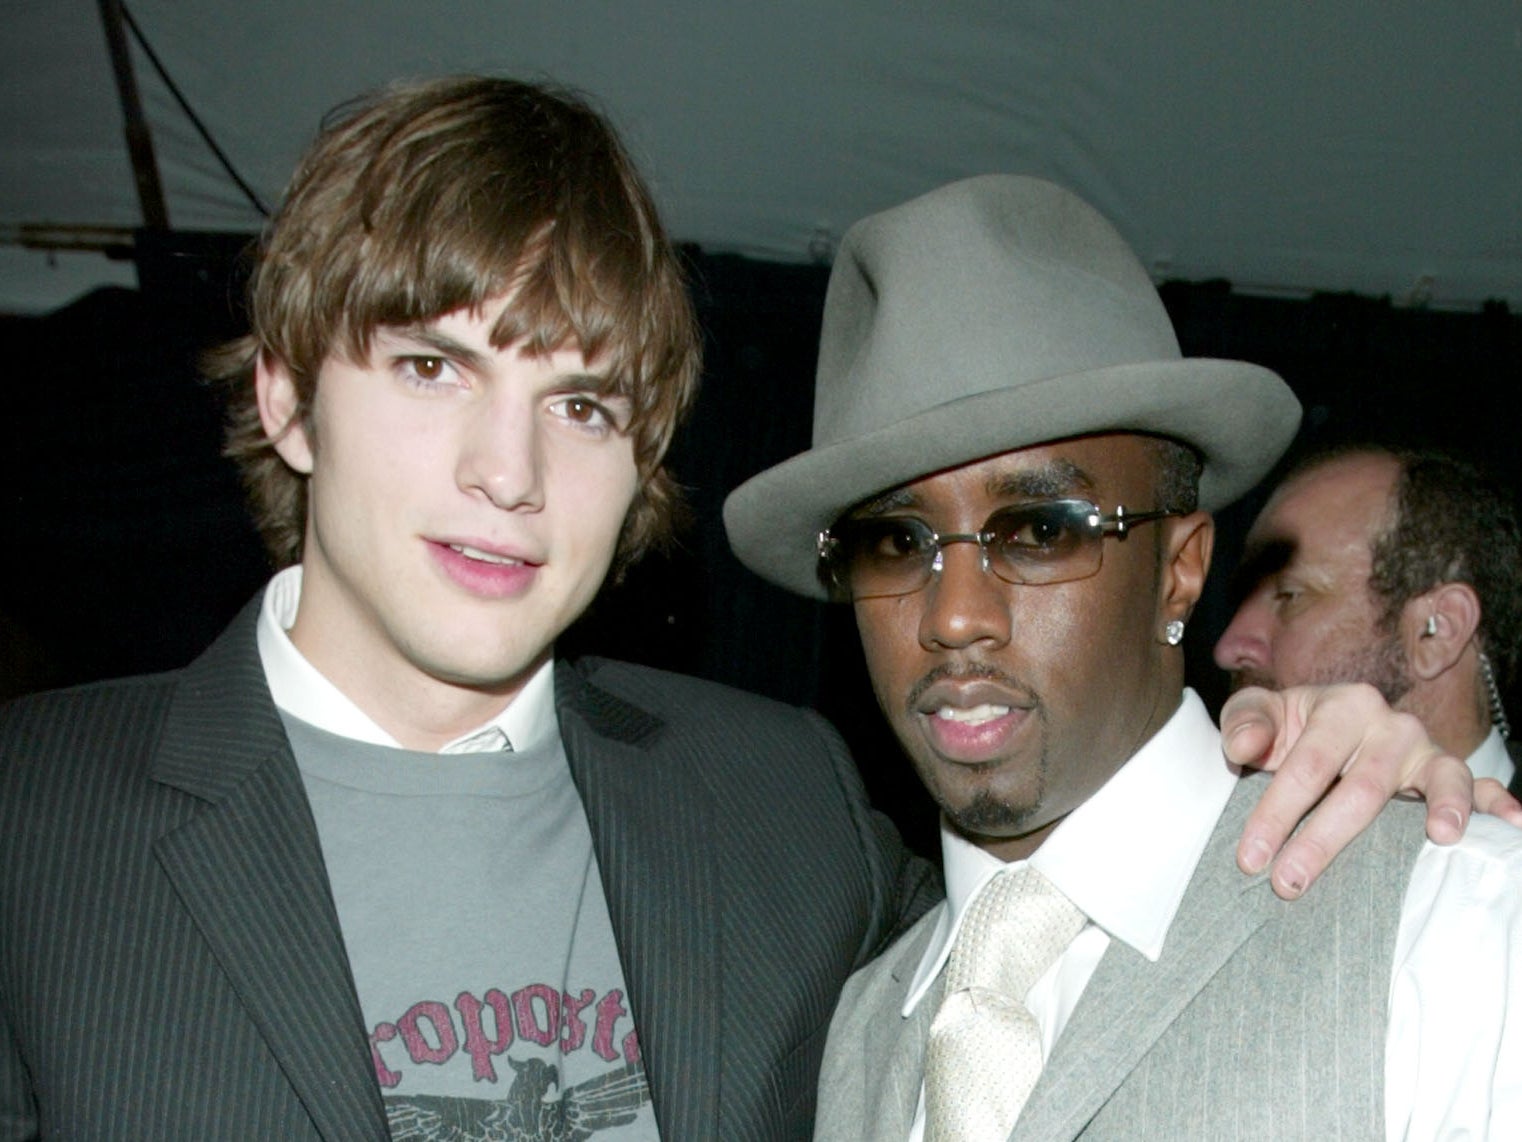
(1178, 474)
(1452, 523)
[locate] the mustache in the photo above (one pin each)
(1241, 679)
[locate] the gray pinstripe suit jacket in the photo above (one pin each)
(171, 965)
(1261, 1019)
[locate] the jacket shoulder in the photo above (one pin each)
(94, 713)
(80, 750)
(681, 700)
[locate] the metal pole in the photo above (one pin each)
(145, 169)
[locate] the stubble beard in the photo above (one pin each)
(988, 816)
(1383, 665)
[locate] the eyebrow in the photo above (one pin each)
(598, 384)
(1057, 478)
(428, 336)
(431, 338)
(893, 498)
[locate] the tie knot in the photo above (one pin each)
(1015, 928)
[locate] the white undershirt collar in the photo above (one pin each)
(301, 690)
(1126, 855)
(1492, 760)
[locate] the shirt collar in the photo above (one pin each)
(1126, 855)
(1492, 760)
(301, 690)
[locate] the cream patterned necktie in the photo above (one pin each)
(984, 1054)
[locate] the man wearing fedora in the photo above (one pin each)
(1010, 483)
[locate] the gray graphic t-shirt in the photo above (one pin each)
(479, 938)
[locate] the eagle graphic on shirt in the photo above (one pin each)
(528, 1113)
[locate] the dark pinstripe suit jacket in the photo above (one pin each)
(171, 965)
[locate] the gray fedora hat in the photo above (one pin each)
(993, 314)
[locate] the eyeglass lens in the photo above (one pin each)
(1048, 542)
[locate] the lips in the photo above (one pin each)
(971, 721)
(484, 570)
(943, 689)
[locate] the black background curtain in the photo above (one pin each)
(127, 545)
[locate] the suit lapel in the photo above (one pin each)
(249, 869)
(1130, 1003)
(893, 1094)
(652, 825)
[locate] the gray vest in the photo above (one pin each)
(1261, 1020)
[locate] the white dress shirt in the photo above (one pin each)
(1453, 1055)
(1491, 759)
(301, 690)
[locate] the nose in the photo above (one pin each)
(964, 604)
(1246, 643)
(501, 455)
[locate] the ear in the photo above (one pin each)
(280, 413)
(1188, 543)
(1438, 626)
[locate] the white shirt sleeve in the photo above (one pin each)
(1453, 1050)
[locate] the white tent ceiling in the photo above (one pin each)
(1341, 145)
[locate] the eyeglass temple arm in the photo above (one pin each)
(1120, 524)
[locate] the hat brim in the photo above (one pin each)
(1239, 416)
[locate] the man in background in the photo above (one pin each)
(1398, 568)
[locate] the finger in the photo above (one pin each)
(1396, 756)
(1490, 796)
(1248, 739)
(1449, 790)
(1348, 730)
(1441, 779)
(1355, 801)
(1333, 732)
(1302, 779)
(1250, 726)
